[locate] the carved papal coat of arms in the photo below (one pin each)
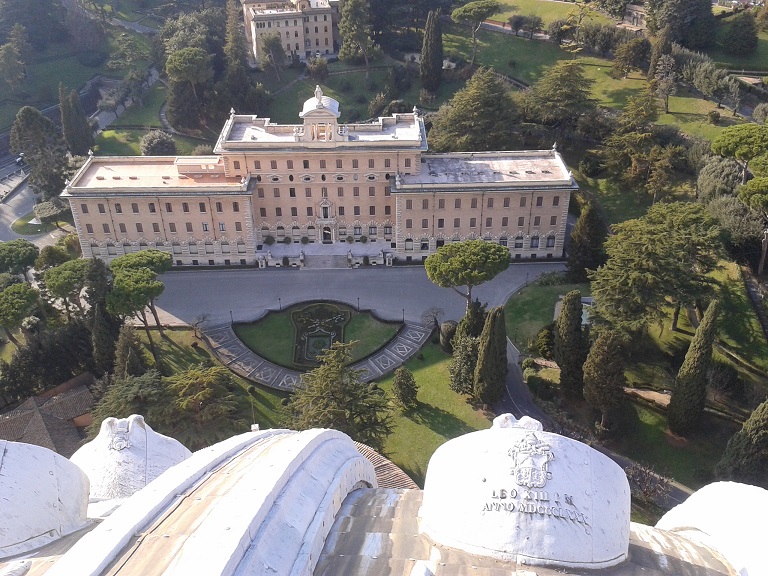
(531, 458)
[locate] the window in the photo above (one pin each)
(372, 210)
(189, 226)
(371, 163)
(523, 201)
(102, 210)
(339, 164)
(238, 226)
(219, 207)
(184, 207)
(84, 208)
(205, 227)
(409, 223)
(387, 229)
(536, 221)
(550, 241)
(539, 200)
(168, 207)
(473, 222)
(123, 229)
(135, 208)
(155, 227)
(273, 164)
(457, 203)
(341, 210)
(139, 228)
(172, 227)
(518, 241)
(260, 192)
(505, 221)
(152, 208)
(441, 223)
(356, 191)
(276, 192)
(521, 221)
(441, 203)
(357, 210)
(106, 228)
(371, 191)
(490, 202)
(289, 164)
(387, 210)
(236, 164)
(372, 230)
(201, 205)
(488, 222)
(357, 230)
(407, 162)
(235, 207)
(294, 211)
(425, 204)
(355, 164)
(263, 212)
(503, 241)
(278, 212)
(424, 244)
(292, 192)
(387, 163)
(506, 202)
(425, 222)
(409, 204)
(322, 164)
(457, 222)
(409, 244)
(89, 228)
(474, 203)
(553, 221)
(309, 210)
(222, 227)
(534, 241)
(257, 164)
(308, 192)
(305, 163)
(556, 201)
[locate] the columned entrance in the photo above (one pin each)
(327, 235)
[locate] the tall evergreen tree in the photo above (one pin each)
(585, 251)
(78, 135)
(480, 116)
(604, 374)
(690, 392)
(404, 387)
(741, 38)
(129, 357)
(471, 324)
(332, 396)
(746, 456)
(355, 31)
(462, 366)
(491, 369)
(236, 81)
(570, 347)
(102, 340)
(560, 96)
(431, 68)
(662, 44)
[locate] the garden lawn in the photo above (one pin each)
(441, 414)
(146, 114)
(689, 113)
(546, 9)
(176, 354)
(127, 143)
(607, 90)
(272, 337)
(23, 227)
(532, 308)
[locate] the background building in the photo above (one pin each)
(337, 187)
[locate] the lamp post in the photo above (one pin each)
(231, 319)
(280, 303)
(358, 303)
(403, 315)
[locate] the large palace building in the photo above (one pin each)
(320, 187)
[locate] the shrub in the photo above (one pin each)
(269, 240)
(590, 165)
(545, 341)
(713, 116)
(304, 240)
(529, 363)
(252, 390)
(760, 113)
(553, 278)
(287, 240)
(447, 331)
(377, 104)
(426, 97)
(363, 239)
(361, 99)
(344, 85)
(370, 85)
(350, 239)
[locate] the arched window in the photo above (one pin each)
(409, 244)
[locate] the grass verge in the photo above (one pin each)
(546, 9)
(148, 112)
(22, 226)
(127, 143)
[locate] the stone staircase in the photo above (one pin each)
(320, 261)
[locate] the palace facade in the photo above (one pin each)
(339, 187)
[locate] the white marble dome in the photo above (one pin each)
(43, 496)
(519, 494)
(126, 456)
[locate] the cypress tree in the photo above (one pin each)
(746, 456)
(128, 354)
(690, 393)
(404, 387)
(473, 321)
(462, 367)
(431, 68)
(74, 125)
(236, 79)
(604, 374)
(661, 45)
(491, 369)
(102, 339)
(585, 251)
(570, 349)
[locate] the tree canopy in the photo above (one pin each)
(474, 14)
(355, 31)
(491, 368)
(585, 251)
(332, 396)
(157, 143)
(16, 303)
(571, 345)
(468, 263)
(746, 456)
(480, 116)
(274, 53)
(17, 256)
(604, 378)
(560, 96)
(742, 142)
(431, 63)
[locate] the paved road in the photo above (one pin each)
(390, 292)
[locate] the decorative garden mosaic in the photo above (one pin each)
(317, 327)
